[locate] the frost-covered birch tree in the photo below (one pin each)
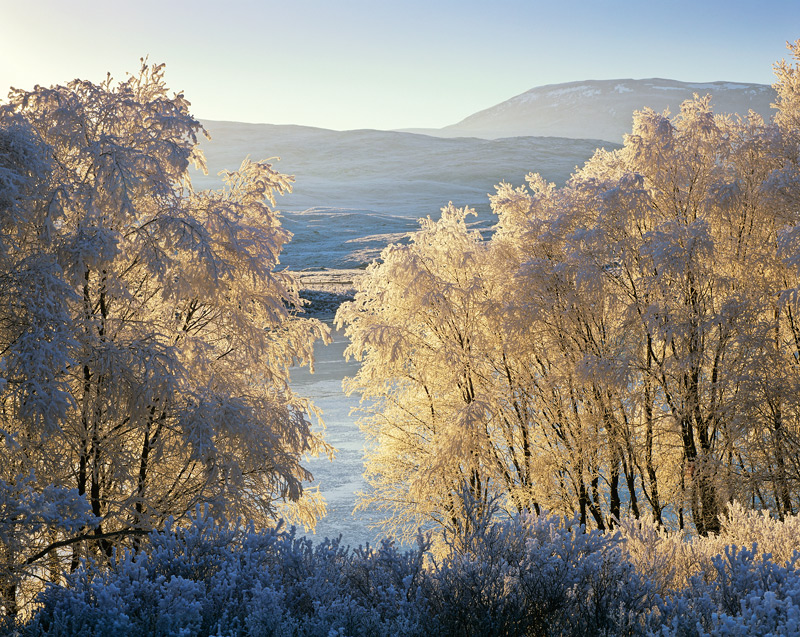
(687, 223)
(413, 326)
(146, 330)
(569, 334)
(660, 279)
(629, 342)
(448, 419)
(34, 341)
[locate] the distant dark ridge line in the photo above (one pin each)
(210, 124)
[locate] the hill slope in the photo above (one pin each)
(356, 191)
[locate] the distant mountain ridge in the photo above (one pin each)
(601, 109)
(356, 191)
(388, 171)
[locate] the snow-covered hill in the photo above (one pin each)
(357, 191)
(602, 109)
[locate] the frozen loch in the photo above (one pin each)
(341, 479)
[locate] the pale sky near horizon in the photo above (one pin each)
(386, 64)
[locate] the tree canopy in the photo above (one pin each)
(146, 331)
(625, 344)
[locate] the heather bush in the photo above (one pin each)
(745, 593)
(526, 575)
(224, 579)
(742, 581)
(538, 575)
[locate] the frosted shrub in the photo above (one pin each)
(748, 594)
(527, 575)
(189, 579)
(652, 551)
(743, 581)
(779, 538)
(364, 591)
(223, 579)
(668, 560)
(538, 575)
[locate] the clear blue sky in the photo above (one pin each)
(387, 64)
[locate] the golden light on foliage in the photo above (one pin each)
(625, 344)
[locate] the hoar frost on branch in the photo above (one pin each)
(146, 334)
